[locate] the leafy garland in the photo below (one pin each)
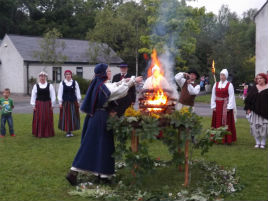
(176, 128)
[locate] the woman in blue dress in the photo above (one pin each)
(97, 144)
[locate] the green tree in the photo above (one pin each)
(51, 48)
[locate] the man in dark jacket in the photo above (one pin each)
(122, 104)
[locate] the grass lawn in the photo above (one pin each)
(35, 169)
(206, 99)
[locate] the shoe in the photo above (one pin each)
(262, 146)
(71, 135)
(2, 136)
(256, 146)
(72, 177)
(13, 135)
(68, 135)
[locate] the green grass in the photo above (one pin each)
(35, 169)
(207, 97)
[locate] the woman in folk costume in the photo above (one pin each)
(69, 97)
(43, 99)
(257, 110)
(97, 144)
(223, 105)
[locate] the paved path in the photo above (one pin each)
(22, 106)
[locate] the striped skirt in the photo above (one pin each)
(43, 125)
(69, 116)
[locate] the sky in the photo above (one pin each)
(238, 6)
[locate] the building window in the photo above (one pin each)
(56, 74)
(79, 71)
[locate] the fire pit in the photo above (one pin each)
(156, 101)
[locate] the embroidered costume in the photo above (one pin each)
(188, 91)
(97, 144)
(43, 99)
(69, 97)
(223, 100)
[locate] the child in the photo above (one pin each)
(6, 106)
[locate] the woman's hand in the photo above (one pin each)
(127, 79)
(138, 79)
(248, 111)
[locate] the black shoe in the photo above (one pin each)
(72, 177)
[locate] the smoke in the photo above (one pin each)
(164, 36)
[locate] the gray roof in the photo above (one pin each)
(76, 51)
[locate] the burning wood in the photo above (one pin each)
(156, 95)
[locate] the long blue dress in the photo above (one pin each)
(97, 144)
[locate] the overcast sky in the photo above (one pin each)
(238, 6)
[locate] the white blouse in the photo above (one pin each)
(231, 102)
(43, 86)
(69, 83)
(119, 89)
(181, 80)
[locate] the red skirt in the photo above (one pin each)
(217, 122)
(69, 117)
(43, 125)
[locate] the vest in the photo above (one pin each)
(69, 92)
(185, 97)
(43, 94)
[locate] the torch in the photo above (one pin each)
(213, 70)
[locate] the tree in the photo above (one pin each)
(51, 48)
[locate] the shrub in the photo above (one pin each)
(83, 83)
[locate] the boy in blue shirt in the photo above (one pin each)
(6, 106)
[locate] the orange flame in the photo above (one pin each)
(159, 98)
(213, 67)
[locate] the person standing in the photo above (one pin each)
(189, 89)
(122, 104)
(43, 99)
(97, 144)
(6, 106)
(223, 105)
(257, 110)
(69, 97)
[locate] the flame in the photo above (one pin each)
(213, 67)
(159, 97)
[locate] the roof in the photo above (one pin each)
(260, 9)
(76, 51)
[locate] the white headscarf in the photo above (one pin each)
(225, 72)
(43, 73)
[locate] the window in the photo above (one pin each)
(79, 71)
(56, 74)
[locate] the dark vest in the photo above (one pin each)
(185, 97)
(43, 94)
(69, 92)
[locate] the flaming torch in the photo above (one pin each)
(213, 71)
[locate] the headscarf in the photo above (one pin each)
(97, 93)
(225, 72)
(68, 71)
(43, 73)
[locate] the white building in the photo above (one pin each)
(261, 20)
(19, 63)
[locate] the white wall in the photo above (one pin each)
(261, 21)
(11, 71)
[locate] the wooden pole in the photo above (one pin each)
(179, 150)
(186, 171)
(134, 141)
